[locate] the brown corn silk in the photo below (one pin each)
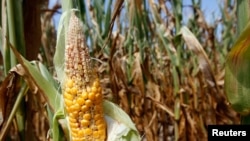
(81, 88)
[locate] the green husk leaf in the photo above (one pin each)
(60, 48)
(120, 126)
(237, 80)
(56, 133)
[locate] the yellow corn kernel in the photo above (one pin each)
(68, 90)
(96, 83)
(94, 89)
(73, 90)
(101, 126)
(73, 114)
(100, 121)
(98, 99)
(85, 122)
(73, 120)
(91, 96)
(84, 108)
(84, 94)
(87, 116)
(88, 103)
(68, 102)
(102, 133)
(96, 134)
(98, 96)
(73, 125)
(68, 96)
(75, 107)
(70, 83)
(80, 101)
(75, 130)
(81, 133)
(97, 117)
(80, 114)
(77, 139)
(88, 88)
(87, 131)
(74, 135)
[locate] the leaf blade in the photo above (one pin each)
(237, 82)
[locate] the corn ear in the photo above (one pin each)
(81, 88)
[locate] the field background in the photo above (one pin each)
(168, 81)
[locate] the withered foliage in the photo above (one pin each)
(169, 101)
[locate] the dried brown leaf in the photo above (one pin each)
(163, 107)
(19, 69)
(6, 92)
(182, 129)
(192, 126)
(137, 74)
(124, 100)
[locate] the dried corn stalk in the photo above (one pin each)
(81, 88)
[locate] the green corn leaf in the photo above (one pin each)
(237, 80)
(242, 14)
(67, 5)
(43, 85)
(38, 75)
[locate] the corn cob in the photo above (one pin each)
(81, 88)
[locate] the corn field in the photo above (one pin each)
(162, 68)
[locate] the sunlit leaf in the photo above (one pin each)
(43, 85)
(237, 80)
(194, 45)
(60, 47)
(120, 126)
(40, 81)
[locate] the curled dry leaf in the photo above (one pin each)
(194, 45)
(6, 93)
(20, 70)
